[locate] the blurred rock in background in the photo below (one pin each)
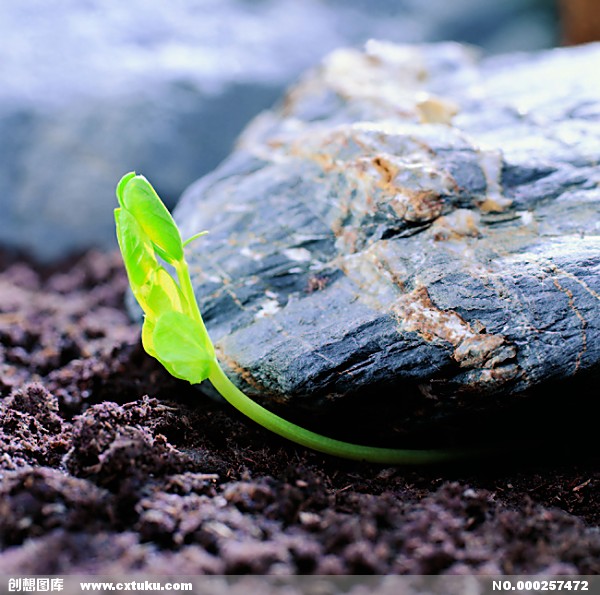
(90, 89)
(580, 21)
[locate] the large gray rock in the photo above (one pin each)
(409, 221)
(90, 90)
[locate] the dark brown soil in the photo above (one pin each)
(109, 465)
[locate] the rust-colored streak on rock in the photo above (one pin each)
(411, 205)
(472, 349)
(579, 316)
(386, 170)
(457, 225)
(240, 372)
(422, 205)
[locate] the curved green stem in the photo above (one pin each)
(329, 446)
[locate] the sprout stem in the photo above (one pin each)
(321, 443)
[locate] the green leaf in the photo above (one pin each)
(140, 199)
(147, 340)
(179, 344)
(164, 294)
(136, 249)
(121, 185)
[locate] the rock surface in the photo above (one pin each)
(410, 222)
(90, 90)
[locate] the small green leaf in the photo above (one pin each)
(136, 249)
(194, 237)
(178, 343)
(140, 199)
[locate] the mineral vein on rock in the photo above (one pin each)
(409, 218)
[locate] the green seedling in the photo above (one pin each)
(174, 333)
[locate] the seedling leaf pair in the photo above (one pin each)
(173, 330)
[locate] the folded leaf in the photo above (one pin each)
(140, 199)
(136, 248)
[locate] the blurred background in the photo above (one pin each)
(91, 89)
